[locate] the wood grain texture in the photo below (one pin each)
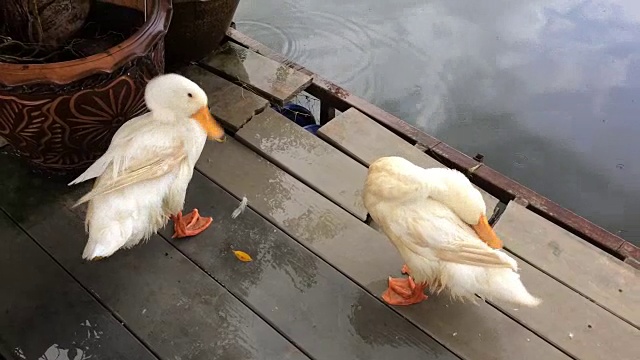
(45, 312)
(316, 306)
(584, 268)
(366, 141)
(336, 97)
(475, 332)
(308, 158)
(276, 81)
(165, 299)
(572, 322)
(569, 308)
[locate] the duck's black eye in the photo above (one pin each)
(190, 95)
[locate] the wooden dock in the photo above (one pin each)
(312, 290)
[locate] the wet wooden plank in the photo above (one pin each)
(572, 322)
(574, 262)
(366, 141)
(172, 305)
(318, 308)
(475, 332)
(570, 319)
(230, 103)
(45, 312)
(276, 81)
(570, 312)
(308, 158)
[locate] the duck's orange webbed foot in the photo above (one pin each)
(191, 224)
(404, 291)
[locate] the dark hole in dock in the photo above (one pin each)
(589, 326)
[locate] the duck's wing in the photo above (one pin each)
(124, 134)
(145, 157)
(449, 242)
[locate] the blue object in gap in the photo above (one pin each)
(312, 128)
(296, 113)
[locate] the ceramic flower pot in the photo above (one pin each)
(197, 28)
(61, 117)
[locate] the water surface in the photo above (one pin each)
(546, 90)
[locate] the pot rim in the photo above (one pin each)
(65, 72)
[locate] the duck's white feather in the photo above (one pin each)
(143, 183)
(138, 161)
(415, 209)
(124, 134)
(455, 243)
(143, 176)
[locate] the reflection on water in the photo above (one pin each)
(56, 353)
(76, 349)
(546, 90)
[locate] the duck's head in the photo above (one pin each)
(448, 186)
(180, 98)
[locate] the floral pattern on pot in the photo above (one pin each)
(69, 132)
(61, 117)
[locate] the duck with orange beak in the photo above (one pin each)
(436, 220)
(142, 179)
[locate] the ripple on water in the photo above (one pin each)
(366, 51)
(307, 37)
(520, 160)
(271, 35)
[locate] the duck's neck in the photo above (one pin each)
(163, 115)
(435, 181)
(455, 191)
(196, 140)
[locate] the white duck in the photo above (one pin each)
(436, 219)
(143, 176)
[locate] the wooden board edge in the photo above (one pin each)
(495, 183)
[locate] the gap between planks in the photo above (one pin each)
(224, 91)
(237, 297)
(458, 345)
(312, 161)
(322, 258)
(243, 324)
(341, 131)
(94, 296)
(217, 195)
(503, 308)
(494, 207)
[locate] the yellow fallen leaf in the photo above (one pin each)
(242, 256)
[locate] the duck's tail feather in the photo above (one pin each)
(106, 240)
(489, 283)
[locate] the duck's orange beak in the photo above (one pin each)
(486, 233)
(213, 129)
